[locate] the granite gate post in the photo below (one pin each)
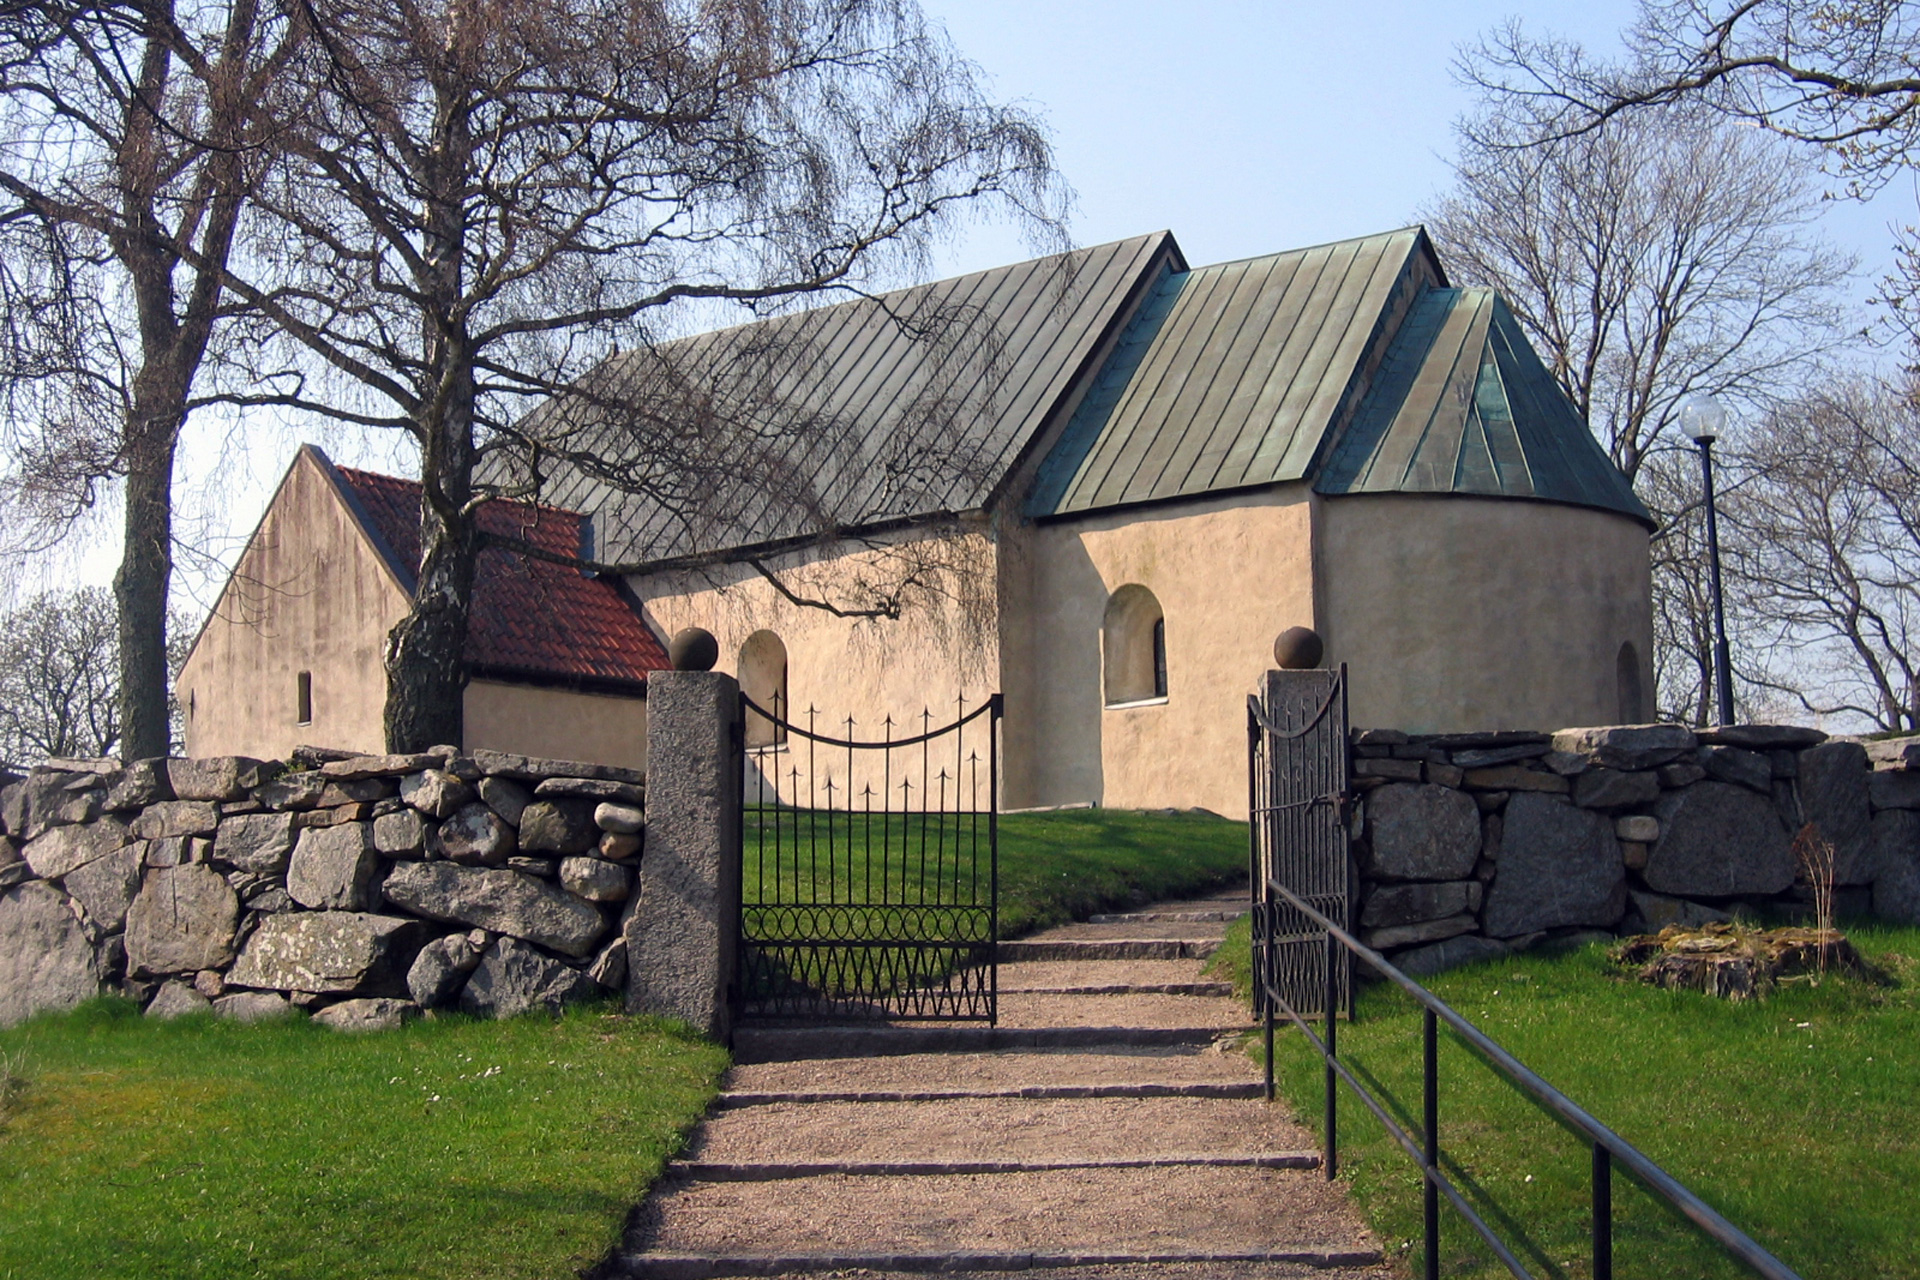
(681, 938)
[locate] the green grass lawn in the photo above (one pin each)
(449, 1149)
(1796, 1116)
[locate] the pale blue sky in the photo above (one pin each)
(1244, 128)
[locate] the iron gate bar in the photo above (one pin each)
(923, 947)
(1608, 1146)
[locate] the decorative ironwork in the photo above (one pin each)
(870, 868)
(1297, 786)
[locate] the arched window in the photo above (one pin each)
(1626, 681)
(763, 678)
(1133, 639)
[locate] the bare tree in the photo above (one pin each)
(1829, 564)
(130, 142)
(58, 660)
(483, 197)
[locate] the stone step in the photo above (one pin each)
(1028, 949)
(1176, 930)
(1213, 990)
(1101, 1066)
(998, 1130)
(1141, 1010)
(1221, 915)
(1271, 1264)
(780, 1171)
(1076, 974)
(1163, 1210)
(1235, 1089)
(771, 1044)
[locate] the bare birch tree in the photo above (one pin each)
(482, 198)
(129, 145)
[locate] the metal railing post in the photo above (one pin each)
(1332, 1159)
(1602, 1212)
(1430, 1189)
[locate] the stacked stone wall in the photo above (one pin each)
(1472, 845)
(359, 888)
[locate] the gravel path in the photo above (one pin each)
(1202, 1181)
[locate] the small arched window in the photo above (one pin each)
(763, 678)
(1133, 640)
(1626, 681)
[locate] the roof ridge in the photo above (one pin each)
(1420, 227)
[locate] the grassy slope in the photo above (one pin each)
(452, 1148)
(1806, 1136)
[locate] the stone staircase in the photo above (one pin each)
(1109, 1126)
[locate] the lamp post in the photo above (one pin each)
(1703, 418)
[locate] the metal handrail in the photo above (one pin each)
(1608, 1146)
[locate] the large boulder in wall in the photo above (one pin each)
(513, 978)
(183, 921)
(498, 900)
(1421, 832)
(329, 951)
(1896, 872)
(1833, 785)
(46, 961)
(1559, 866)
(1718, 840)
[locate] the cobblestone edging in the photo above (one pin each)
(358, 888)
(1471, 845)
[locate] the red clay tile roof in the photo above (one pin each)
(531, 618)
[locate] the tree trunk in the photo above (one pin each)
(146, 568)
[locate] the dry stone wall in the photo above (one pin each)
(1472, 845)
(359, 888)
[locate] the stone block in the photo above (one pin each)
(258, 842)
(620, 848)
(1482, 757)
(1786, 764)
(1834, 789)
(177, 818)
(1718, 840)
(1895, 753)
(440, 969)
(46, 959)
(1603, 788)
(1425, 931)
(367, 1013)
(1566, 764)
(1394, 904)
(333, 816)
(359, 768)
(681, 940)
(1627, 747)
(609, 968)
(181, 921)
(1392, 770)
(1559, 866)
(1762, 737)
(1445, 775)
(51, 798)
(476, 836)
(1738, 765)
(1438, 957)
(1634, 853)
(434, 792)
(139, 784)
(498, 900)
(333, 868)
(1683, 773)
(1490, 801)
(1514, 777)
(328, 951)
(60, 851)
(1896, 871)
(626, 819)
(545, 868)
(1652, 912)
(1637, 826)
(400, 835)
(1893, 789)
(294, 790)
(561, 825)
(1377, 737)
(106, 886)
(1418, 833)
(507, 798)
(213, 778)
(356, 791)
(252, 1006)
(513, 979)
(518, 768)
(595, 880)
(177, 999)
(592, 789)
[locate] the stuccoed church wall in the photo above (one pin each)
(359, 888)
(1471, 845)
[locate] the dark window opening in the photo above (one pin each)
(1159, 657)
(303, 697)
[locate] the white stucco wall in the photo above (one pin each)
(1456, 613)
(559, 724)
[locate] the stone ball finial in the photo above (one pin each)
(1298, 648)
(693, 649)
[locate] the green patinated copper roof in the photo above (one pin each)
(1462, 404)
(1233, 375)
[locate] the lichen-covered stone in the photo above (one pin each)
(560, 825)
(46, 960)
(1421, 832)
(475, 835)
(440, 969)
(258, 842)
(252, 1006)
(182, 921)
(505, 797)
(591, 789)
(434, 792)
(1718, 840)
(139, 784)
(499, 900)
(328, 951)
(1627, 747)
(595, 880)
(357, 768)
(64, 850)
(106, 886)
(1559, 865)
(333, 868)
(213, 777)
(367, 1013)
(512, 978)
(177, 818)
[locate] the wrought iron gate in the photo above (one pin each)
(870, 867)
(1297, 784)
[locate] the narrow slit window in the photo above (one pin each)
(303, 697)
(1159, 657)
